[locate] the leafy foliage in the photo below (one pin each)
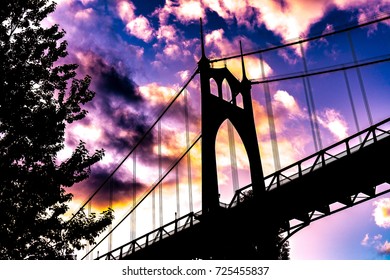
(38, 98)
(282, 247)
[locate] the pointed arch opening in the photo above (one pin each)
(239, 101)
(213, 87)
(226, 91)
(232, 162)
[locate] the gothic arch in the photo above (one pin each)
(228, 171)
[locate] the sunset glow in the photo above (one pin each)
(141, 53)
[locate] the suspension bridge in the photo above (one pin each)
(178, 201)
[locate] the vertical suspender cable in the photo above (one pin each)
(87, 248)
(311, 105)
(310, 114)
(362, 88)
(232, 144)
(233, 157)
(110, 206)
(134, 197)
(160, 204)
(153, 209)
(352, 103)
(177, 192)
(270, 115)
(189, 172)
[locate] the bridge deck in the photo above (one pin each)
(304, 196)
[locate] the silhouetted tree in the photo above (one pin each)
(38, 98)
(283, 248)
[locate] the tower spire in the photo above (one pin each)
(242, 64)
(202, 38)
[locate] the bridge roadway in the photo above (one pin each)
(236, 230)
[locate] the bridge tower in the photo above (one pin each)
(260, 224)
(215, 110)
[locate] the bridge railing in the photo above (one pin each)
(325, 156)
(320, 159)
(150, 238)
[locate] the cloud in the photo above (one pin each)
(382, 212)
(184, 75)
(381, 247)
(84, 14)
(289, 19)
(284, 99)
(185, 11)
(365, 240)
(156, 94)
(126, 10)
(110, 79)
(219, 46)
(167, 33)
(334, 122)
(138, 26)
(384, 248)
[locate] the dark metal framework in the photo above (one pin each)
(215, 111)
(347, 172)
(347, 148)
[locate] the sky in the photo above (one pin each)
(141, 53)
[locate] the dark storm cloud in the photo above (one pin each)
(111, 82)
(119, 188)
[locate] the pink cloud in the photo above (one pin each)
(185, 11)
(365, 240)
(377, 243)
(167, 33)
(126, 10)
(84, 14)
(334, 122)
(384, 248)
(138, 26)
(189, 10)
(283, 98)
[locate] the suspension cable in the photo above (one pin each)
(309, 98)
(270, 116)
(350, 97)
(177, 192)
(189, 169)
(304, 40)
(134, 216)
(147, 193)
(111, 193)
(160, 202)
(142, 138)
(359, 74)
(232, 145)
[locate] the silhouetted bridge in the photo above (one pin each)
(347, 172)
(264, 214)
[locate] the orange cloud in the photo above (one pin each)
(220, 46)
(382, 212)
(157, 94)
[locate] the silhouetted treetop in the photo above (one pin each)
(38, 98)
